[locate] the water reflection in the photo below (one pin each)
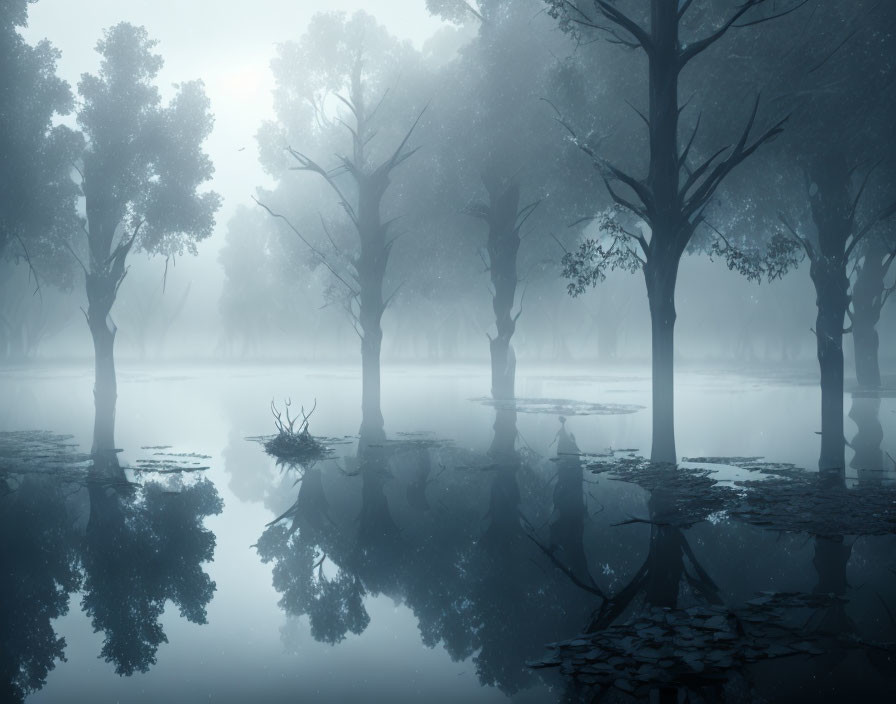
(453, 544)
(129, 548)
(39, 555)
(144, 545)
(868, 460)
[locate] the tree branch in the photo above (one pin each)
(310, 246)
(695, 48)
(308, 164)
(616, 16)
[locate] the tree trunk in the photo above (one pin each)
(668, 229)
(503, 368)
(867, 298)
(100, 297)
(661, 296)
(371, 413)
(866, 343)
(830, 200)
(371, 273)
(503, 245)
(829, 332)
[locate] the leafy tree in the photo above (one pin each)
(37, 194)
(671, 199)
(141, 170)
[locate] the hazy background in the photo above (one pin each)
(722, 317)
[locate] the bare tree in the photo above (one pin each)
(504, 217)
(363, 282)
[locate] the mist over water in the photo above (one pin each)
(447, 350)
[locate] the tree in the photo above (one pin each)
(359, 180)
(870, 292)
(493, 129)
(140, 174)
(37, 194)
(504, 217)
(672, 197)
(844, 98)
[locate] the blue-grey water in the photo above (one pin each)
(409, 583)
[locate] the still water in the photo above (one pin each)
(434, 567)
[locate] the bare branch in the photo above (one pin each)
(683, 157)
(308, 164)
(805, 243)
(591, 587)
(855, 203)
(310, 246)
(31, 269)
(697, 47)
(639, 113)
(524, 214)
(741, 151)
(397, 157)
(884, 213)
(77, 258)
(619, 18)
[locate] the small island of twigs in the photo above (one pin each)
(292, 444)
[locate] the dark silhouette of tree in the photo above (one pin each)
(504, 217)
(141, 169)
(672, 197)
(39, 554)
(870, 292)
(847, 200)
(143, 547)
(492, 128)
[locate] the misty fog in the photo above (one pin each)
(405, 350)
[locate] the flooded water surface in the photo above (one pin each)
(485, 551)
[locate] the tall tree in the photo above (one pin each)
(844, 98)
(672, 197)
(871, 290)
(37, 194)
(358, 76)
(141, 170)
(494, 129)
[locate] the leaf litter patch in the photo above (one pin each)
(29, 451)
(695, 646)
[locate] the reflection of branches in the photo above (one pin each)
(590, 586)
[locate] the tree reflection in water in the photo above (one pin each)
(129, 547)
(144, 545)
